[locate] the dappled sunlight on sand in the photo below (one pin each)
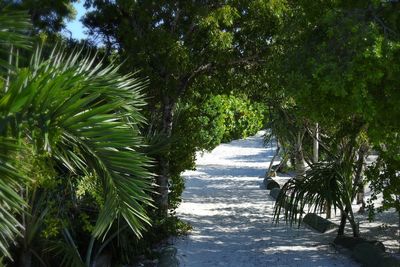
(231, 214)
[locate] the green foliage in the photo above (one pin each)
(384, 176)
(84, 104)
(206, 121)
(12, 202)
(90, 185)
(67, 118)
(14, 26)
(48, 16)
(242, 117)
(338, 62)
(348, 55)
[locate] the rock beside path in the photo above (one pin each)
(168, 257)
(318, 223)
(371, 255)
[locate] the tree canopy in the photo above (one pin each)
(46, 15)
(177, 43)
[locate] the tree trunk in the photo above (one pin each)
(278, 148)
(328, 210)
(162, 178)
(328, 207)
(342, 224)
(354, 224)
(299, 156)
(10, 59)
(358, 176)
(283, 164)
(292, 160)
(316, 144)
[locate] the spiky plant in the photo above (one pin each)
(324, 184)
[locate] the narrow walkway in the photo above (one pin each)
(232, 215)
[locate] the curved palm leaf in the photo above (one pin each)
(10, 202)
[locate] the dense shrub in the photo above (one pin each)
(242, 117)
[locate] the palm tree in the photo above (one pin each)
(324, 184)
(333, 182)
(76, 113)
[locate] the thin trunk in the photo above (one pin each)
(162, 178)
(349, 156)
(328, 210)
(354, 224)
(278, 148)
(162, 182)
(283, 164)
(316, 144)
(344, 216)
(299, 156)
(292, 160)
(17, 58)
(358, 176)
(10, 57)
(343, 220)
(328, 207)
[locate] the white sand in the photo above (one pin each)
(232, 215)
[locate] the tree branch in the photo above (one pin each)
(187, 79)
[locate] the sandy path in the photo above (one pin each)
(231, 215)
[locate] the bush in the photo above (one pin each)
(242, 117)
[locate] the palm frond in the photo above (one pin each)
(87, 118)
(10, 202)
(324, 183)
